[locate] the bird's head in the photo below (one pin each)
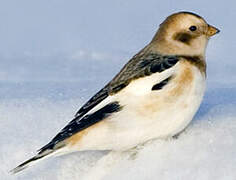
(183, 33)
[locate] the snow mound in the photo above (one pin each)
(205, 150)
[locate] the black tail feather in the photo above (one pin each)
(30, 161)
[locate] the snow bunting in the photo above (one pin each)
(155, 95)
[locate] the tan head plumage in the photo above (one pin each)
(183, 33)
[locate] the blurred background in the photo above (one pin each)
(61, 41)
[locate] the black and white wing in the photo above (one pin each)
(99, 107)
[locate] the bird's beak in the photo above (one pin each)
(212, 30)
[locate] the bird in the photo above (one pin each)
(154, 96)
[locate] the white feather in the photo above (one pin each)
(142, 86)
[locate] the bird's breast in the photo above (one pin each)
(165, 112)
(171, 108)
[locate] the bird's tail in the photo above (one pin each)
(33, 160)
(43, 153)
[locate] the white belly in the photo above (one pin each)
(158, 114)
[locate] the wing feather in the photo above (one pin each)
(141, 65)
(137, 67)
(77, 125)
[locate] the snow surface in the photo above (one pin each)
(55, 54)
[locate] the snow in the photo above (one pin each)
(55, 54)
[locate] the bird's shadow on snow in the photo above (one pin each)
(218, 96)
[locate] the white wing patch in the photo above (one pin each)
(137, 87)
(103, 103)
(144, 85)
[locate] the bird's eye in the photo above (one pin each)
(193, 28)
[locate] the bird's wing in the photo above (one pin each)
(139, 66)
(102, 105)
